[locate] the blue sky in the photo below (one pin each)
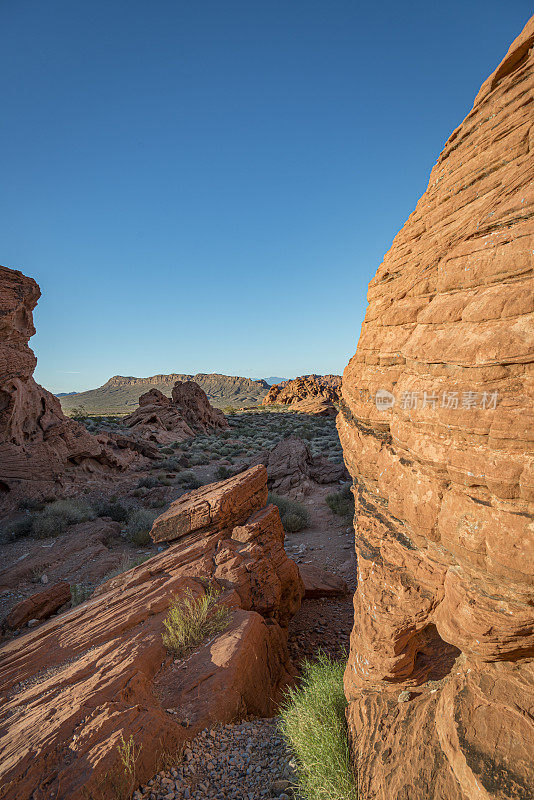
(209, 186)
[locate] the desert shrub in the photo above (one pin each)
(57, 516)
(189, 480)
(190, 620)
(31, 504)
(167, 450)
(342, 502)
(17, 529)
(149, 482)
(170, 464)
(79, 594)
(222, 472)
(295, 517)
(71, 510)
(199, 460)
(115, 510)
(314, 725)
(138, 526)
(45, 526)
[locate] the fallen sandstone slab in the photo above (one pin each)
(72, 688)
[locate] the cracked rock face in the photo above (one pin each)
(436, 425)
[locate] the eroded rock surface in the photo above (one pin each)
(311, 394)
(39, 446)
(71, 687)
(439, 679)
(165, 419)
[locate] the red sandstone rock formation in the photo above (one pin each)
(72, 686)
(311, 394)
(320, 583)
(292, 469)
(439, 679)
(196, 408)
(39, 446)
(39, 606)
(165, 419)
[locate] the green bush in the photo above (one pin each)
(295, 517)
(79, 594)
(190, 620)
(116, 511)
(188, 480)
(313, 723)
(148, 483)
(139, 525)
(222, 472)
(342, 502)
(57, 516)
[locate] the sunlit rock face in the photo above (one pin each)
(437, 428)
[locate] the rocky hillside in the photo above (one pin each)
(436, 426)
(120, 395)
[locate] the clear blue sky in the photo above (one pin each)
(210, 185)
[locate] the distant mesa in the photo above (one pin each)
(120, 394)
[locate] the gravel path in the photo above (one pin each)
(243, 761)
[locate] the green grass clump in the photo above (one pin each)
(295, 517)
(191, 620)
(342, 502)
(314, 725)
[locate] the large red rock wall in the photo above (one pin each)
(439, 678)
(38, 444)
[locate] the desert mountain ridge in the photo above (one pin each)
(120, 394)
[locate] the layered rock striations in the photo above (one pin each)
(165, 419)
(436, 425)
(38, 444)
(73, 686)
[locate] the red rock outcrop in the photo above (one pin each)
(38, 444)
(165, 419)
(74, 685)
(39, 606)
(196, 408)
(320, 583)
(436, 425)
(310, 394)
(292, 469)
